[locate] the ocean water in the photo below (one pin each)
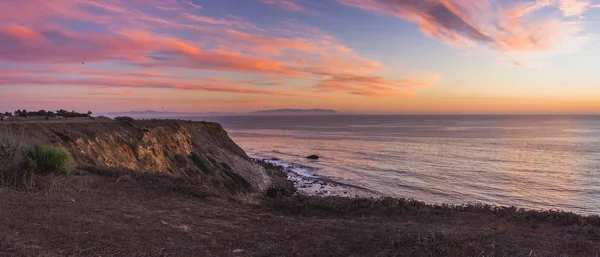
(533, 162)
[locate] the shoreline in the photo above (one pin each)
(313, 185)
(323, 187)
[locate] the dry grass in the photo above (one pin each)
(146, 215)
(400, 207)
(16, 170)
(14, 147)
(162, 182)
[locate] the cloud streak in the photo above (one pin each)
(514, 27)
(174, 45)
(289, 5)
(9, 81)
(372, 86)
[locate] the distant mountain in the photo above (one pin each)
(295, 112)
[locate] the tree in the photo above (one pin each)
(21, 113)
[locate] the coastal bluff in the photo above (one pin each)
(178, 188)
(198, 150)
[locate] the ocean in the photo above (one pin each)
(532, 162)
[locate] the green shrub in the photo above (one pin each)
(49, 159)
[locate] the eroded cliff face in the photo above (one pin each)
(200, 150)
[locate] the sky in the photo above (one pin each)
(359, 56)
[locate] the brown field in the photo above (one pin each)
(109, 214)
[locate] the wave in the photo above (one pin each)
(307, 182)
(297, 169)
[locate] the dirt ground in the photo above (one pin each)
(97, 215)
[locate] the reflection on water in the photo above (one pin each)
(539, 162)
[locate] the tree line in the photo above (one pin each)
(44, 113)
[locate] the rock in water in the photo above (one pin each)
(313, 157)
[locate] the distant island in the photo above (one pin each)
(295, 112)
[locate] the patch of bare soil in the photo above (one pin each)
(90, 214)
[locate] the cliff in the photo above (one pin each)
(199, 150)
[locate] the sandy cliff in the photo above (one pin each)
(199, 150)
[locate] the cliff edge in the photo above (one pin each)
(197, 150)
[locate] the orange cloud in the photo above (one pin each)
(22, 33)
(372, 86)
(518, 64)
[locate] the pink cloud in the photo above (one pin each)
(113, 93)
(105, 82)
(245, 102)
(194, 5)
(72, 47)
(148, 39)
(289, 5)
(574, 7)
(511, 27)
(109, 97)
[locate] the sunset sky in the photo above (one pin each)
(366, 56)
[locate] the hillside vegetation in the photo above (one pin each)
(195, 150)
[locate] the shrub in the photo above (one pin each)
(49, 159)
(13, 150)
(124, 118)
(180, 158)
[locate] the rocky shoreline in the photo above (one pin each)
(315, 185)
